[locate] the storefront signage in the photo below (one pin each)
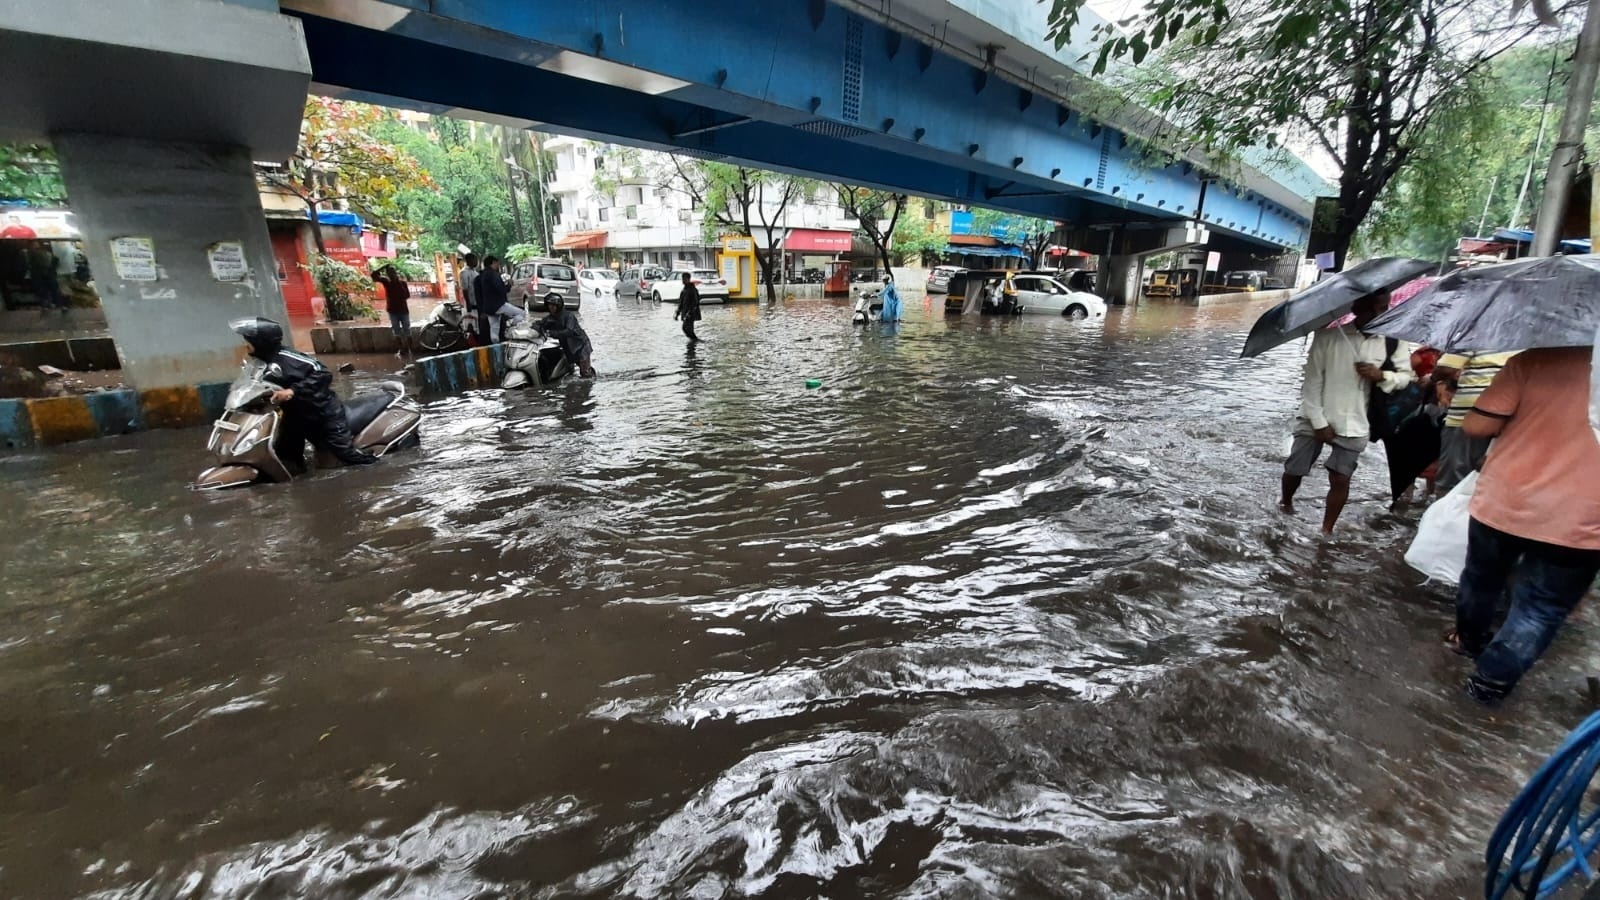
(227, 261)
(134, 258)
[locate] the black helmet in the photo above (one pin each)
(553, 297)
(264, 336)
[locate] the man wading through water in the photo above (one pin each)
(1343, 366)
(689, 308)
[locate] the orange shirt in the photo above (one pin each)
(1542, 478)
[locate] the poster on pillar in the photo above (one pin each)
(134, 258)
(227, 261)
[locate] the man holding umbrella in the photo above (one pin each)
(1534, 532)
(1343, 366)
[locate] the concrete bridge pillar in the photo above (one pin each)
(188, 204)
(1123, 265)
(156, 109)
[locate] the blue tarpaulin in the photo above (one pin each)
(1524, 236)
(339, 217)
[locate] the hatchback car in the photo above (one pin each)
(712, 288)
(539, 277)
(596, 282)
(636, 281)
(939, 278)
(1043, 294)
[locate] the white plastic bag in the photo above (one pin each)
(1439, 550)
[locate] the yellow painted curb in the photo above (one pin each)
(485, 366)
(172, 407)
(58, 420)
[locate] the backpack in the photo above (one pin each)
(1386, 413)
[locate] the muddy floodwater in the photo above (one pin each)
(1002, 609)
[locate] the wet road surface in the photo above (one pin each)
(1004, 609)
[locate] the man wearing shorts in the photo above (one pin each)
(1343, 366)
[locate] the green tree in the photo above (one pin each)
(1033, 235)
(738, 197)
(340, 158)
(29, 172)
(469, 201)
(915, 237)
(1365, 81)
(876, 212)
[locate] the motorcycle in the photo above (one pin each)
(243, 438)
(446, 328)
(532, 357)
(866, 310)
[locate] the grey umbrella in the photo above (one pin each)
(1546, 301)
(1328, 299)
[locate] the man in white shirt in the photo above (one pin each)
(1343, 366)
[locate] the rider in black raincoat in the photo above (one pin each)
(562, 324)
(311, 410)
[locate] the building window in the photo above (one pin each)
(599, 163)
(605, 214)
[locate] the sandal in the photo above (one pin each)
(1452, 639)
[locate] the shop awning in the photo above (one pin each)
(1002, 251)
(816, 240)
(582, 240)
(339, 218)
(1058, 250)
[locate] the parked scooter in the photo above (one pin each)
(869, 306)
(532, 358)
(243, 438)
(446, 328)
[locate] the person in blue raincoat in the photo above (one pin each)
(891, 301)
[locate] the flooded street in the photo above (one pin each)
(1004, 609)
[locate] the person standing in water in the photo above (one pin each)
(891, 300)
(689, 308)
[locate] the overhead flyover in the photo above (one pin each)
(981, 114)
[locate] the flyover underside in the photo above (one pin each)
(1053, 163)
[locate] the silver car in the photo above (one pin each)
(537, 277)
(939, 278)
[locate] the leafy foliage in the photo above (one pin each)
(1364, 81)
(343, 288)
(468, 200)
(915, 237)
(341, 158)
(29, 172)
(524, 251)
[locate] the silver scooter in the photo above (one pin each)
(243, 438)
(532, 358)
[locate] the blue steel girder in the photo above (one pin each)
(804, 87)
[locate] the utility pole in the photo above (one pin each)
(1569, 141)
(1538, 144)
(544, 205)
(1489, 198)
(511, 182)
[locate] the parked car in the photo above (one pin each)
(1043, 294)
(537, 277)
(939, 278)
(712, 288)
(595, 282)
(637, 281)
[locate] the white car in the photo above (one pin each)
(596, 282)
(712, 288)
(1041, 294)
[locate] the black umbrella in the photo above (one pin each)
(1329, 299)
(1546, 301)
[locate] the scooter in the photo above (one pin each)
(243, 438)
(446, 329)
(532, 357)
(867, 310)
